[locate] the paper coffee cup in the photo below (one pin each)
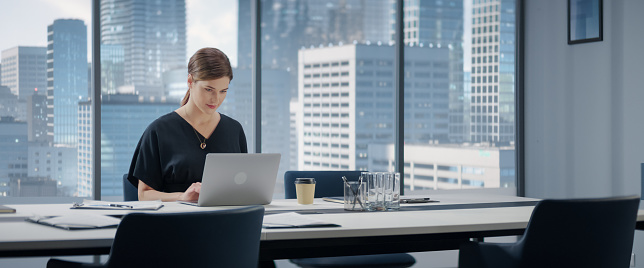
(305, 190)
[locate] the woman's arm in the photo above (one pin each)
(148, 193)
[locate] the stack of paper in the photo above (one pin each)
(133, 205)
(77, 221)
(293, 220)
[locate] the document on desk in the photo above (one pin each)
(5, 209)
(77, 221)
(132, 205)
(294, 220)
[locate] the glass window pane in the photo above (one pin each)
(45, 111)
(327, 83)
(145, 48)
(459, 109)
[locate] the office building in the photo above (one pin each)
(13, 160)
(291, 25)
(66, 78)
(275, 114)
(287, 27)
(440, 24)
(24, 70)
(152, 35)
(36, 117)
(492, 107)
(293, 130)
(11, 105)
(346, 102)
(84, 156)
(57, 163)
(34, 187)
(112, 68)
(123, 120)
(449, 166)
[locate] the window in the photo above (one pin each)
(42, 126)
(454, 70)
(136, 90)
(449, 141)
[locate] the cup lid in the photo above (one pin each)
(305, 181)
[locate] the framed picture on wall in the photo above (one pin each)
(585, 23)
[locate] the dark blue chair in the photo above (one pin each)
(222, 238)
(130, 192)
(329, 183)
(565, 233)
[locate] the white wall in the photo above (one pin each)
(584, 105)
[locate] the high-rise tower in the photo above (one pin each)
(492, 87)
(440, 24)
(66, 78)
(24, 70)
(345, 102)
(152, 35)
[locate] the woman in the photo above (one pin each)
(169, 160)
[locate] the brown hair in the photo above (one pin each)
(208, 64)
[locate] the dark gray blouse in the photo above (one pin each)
(169, 158)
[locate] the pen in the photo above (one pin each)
(120, 206)
(309, 212)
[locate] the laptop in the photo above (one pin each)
(236, 179)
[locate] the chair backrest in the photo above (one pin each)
(580, 233)
(327, 183)
(222, 238)
(130, 193)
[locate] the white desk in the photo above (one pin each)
(443, 226)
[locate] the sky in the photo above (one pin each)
(210, 23)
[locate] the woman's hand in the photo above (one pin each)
(192, 194)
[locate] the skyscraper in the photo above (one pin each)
(66, 78)
(345, 102)
(37, 117)
(153, 38)
(24, 70)
(275, 114)
(112, 68)
(84, 161)
(492, 79)
(57, 163)
(289, 25)
(440, 24)
(10, 105)
(13, 160)
(124, 119)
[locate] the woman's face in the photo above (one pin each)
(208, 95)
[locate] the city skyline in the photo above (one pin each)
(357, 87)
(33, 28)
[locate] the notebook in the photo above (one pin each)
(236, 179)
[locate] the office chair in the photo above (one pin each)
(222, 238)
(329, 183)
(130, 192)
(565, 233)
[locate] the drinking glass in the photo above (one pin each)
(354, 196)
